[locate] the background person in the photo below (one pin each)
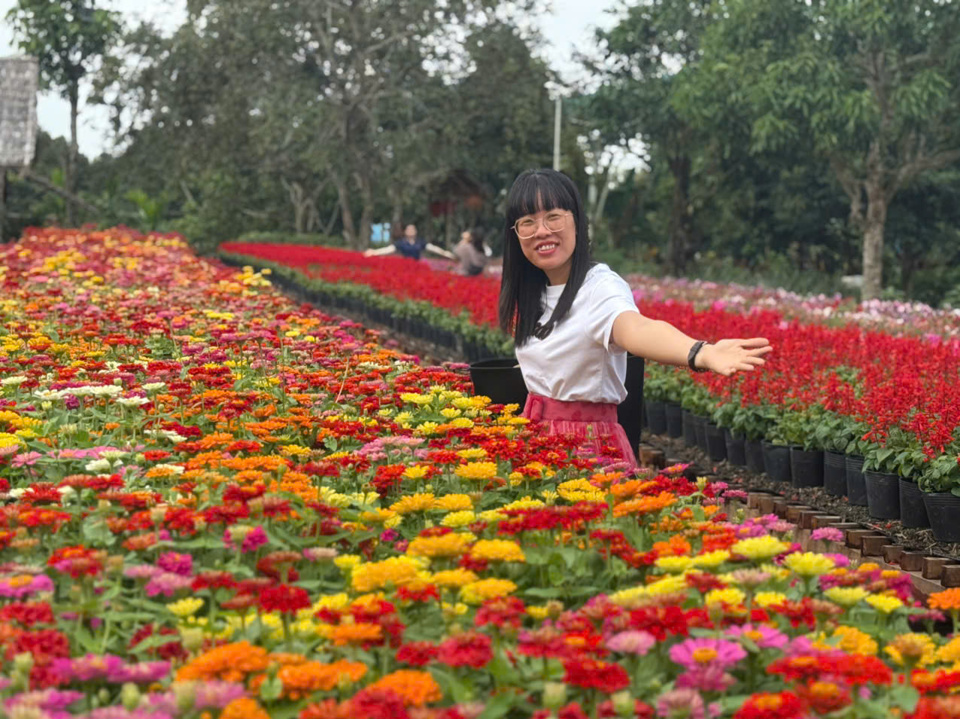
(574, 320)
(472, 252)
(411, 246)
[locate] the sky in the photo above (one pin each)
(570, 26)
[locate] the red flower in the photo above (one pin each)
(470, 649)
(377, 704)
(593, 674)
(783, 705)
(284, 599)
(417, 654)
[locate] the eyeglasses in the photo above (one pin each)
(526, 227)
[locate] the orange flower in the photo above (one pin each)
(415, 688)
(676, 546)
(360, 633)
(231, 662)
(645, 505)
(304, 679)
(244, 708)
(947, 600)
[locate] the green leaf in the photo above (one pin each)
(498, 706)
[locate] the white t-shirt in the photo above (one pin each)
(578, 361)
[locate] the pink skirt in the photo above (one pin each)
(592, 422)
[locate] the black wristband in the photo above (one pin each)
(692, 356)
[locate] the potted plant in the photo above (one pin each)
(752, 422)
(881, 470)
(776, 451)
(675, 379)
(798, 426)
(655, 396)
(834, 433)
(940, 484)
(723, 417)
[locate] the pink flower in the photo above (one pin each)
(631, 642)
(763, 636)
(828, 534)
(695, 653)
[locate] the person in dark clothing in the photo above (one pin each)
(472, 252)
(411, 246)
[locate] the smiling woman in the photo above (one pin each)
(574, 321)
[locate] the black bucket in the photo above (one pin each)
(674, 419)
(656, 417)
(835, 474)
(883, 495)
(689, 428)
(736, 452)
(856, 484)
(630, 411)
(776, 461)
(913, 512)
(499, 379)
(943, 508)
(806, 467)
(753, 449)
(716, 443)
(701, 425)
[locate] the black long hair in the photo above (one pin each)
(523, 284)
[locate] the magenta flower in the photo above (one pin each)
(177, 563)
(705, 651)
(706, 678)
(24, 585)
(53, 700)
(141, 673)
(828, 534)
(763, 636)
(631, 642)
(167, 584)
(88, 668)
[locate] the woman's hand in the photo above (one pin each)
(729, 356)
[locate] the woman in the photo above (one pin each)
(472, 253)
(411, 246)
(574, 320)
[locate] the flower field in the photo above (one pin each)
(889, 398)
(217, 503)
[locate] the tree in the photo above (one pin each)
(642, 60)
(67, 37)
(869, 85)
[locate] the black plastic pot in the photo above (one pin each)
(883, 495)
(856, 484)
(753, 449)
(499, 379)
(716, 442)
(776, 461)
(806, 467)
(630, 411)
(943, 508)
(674, 419)
(835, 474)
(701, 426)
(913, 512)
(689, 428)
(736, 451)
(657, 417)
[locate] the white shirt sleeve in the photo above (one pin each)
(610, 297)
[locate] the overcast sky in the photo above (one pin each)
(570, 26)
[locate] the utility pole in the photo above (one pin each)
(556, 134)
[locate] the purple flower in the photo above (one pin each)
(177, 563)
(828, 534)
(705, 651)
(631, 642)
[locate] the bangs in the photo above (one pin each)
(535, 191)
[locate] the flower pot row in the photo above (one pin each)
(886, 496)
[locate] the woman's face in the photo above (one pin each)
(548, 239)
(465, 236)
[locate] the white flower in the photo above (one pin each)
(113, 454)
(17, 492)
(98, 465)
(15, 381)
(153, 386)
(132, 401)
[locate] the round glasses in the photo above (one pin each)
(526, 227)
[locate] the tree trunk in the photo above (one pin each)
(873, 228)
(73, 153)
(346, 214)
(3, 204)
(679, 215)
(396, 211)
(366, 213)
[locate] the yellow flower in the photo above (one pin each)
(809, 564)
(949, 653)
(477, 470)
(459, 519)
(538, 613)
(523, 503)
(454, 502)
(668, 585)
(492, 515)
(731, 596)
(711, 560)
(854, 641)
(580, 490)
(461, 423)
(759, 548)
(472, 453)
(450, 412)
(454, 578)
(427, 428)
(346, 562)
(845, 596)
(497, 550)
(480, 591)
(449, 545)
(674, 565)
(395, 571)
(417, 399)
(185, 607)
(768, 599)
(420, 502)
(417, 471)
(912, 649)
(385, 517)
(883, 603)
